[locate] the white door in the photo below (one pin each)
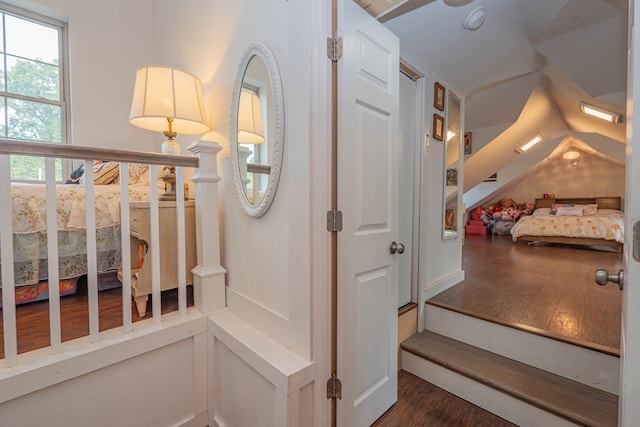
(367, 271)
(630, 345)
(406, 156)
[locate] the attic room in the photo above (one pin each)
(304, 296)
(545, 59)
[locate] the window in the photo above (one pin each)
(32, 89)
(259, 155)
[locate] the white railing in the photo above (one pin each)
(208, 274)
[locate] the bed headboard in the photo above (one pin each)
(603, 202)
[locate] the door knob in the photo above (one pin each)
(603, 277)
(396, 247)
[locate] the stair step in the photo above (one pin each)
(475, 229)
(587, 364)
(562, 397)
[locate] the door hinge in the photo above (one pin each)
(334, 220)
(334, 387)
(334, 48)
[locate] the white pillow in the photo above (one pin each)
(541, 211)
(569, 211)
(589, 209)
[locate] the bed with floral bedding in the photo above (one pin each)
(30, 233)
(595, 222)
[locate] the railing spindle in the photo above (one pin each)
(181, 245)
(155, 244)
(125, 232)
(52, 256)
(6, 258)
(92, 262)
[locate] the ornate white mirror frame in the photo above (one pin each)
(274, 137)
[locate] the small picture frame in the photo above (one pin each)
(452, 177)
(438, 96)
(467, 143)
(438, 127)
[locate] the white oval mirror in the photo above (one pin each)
(257, 130)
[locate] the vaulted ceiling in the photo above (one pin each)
(523, 72)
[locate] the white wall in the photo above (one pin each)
(108, 42)
(440, 261)
(591, 177)
(268, 259)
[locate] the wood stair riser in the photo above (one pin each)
(490, 399)
(523, 394)
(593, 368)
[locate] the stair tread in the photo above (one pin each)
(568, 399)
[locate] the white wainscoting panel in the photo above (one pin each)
(255, 379)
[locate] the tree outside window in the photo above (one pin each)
(31, 96)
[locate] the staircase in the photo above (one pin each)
(475, 226)
(526, 378)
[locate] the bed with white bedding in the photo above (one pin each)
(30, 234)
(28, 216)
(595, 222)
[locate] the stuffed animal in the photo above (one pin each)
(507, 203)
(477, 213)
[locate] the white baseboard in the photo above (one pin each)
(434, 288)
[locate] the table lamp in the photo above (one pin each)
(169, 101)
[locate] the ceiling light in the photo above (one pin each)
(475, 18)
(571, 155)
(450, 134)
(600, 113)
(529, 144)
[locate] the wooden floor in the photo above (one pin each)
(33, 318)
(545, 289)
(423, 404)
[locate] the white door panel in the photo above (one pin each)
(630, 343)
(372, 171)
(367, 271)
(408, 153)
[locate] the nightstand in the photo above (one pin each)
(140, 239)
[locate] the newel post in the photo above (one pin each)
(208, 275)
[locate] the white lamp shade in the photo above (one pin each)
(163, 93)
(250, 128)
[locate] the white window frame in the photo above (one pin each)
(64, 82)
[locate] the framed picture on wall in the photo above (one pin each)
(467, 143)
(438, 127)
(438, 96)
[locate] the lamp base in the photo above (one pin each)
(170, 186)
(170, 146)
